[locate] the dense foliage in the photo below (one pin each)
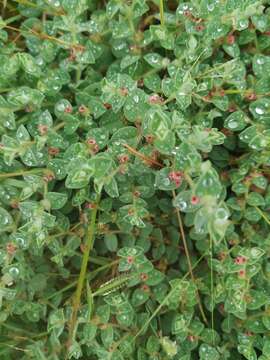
(134, 167)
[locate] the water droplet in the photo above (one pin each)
(260, 61)
(182, 205)
(136, 99)
(166, 182)
(232, 124)
(210, 7)
(14, 271)
(207, 182)
(259, 111)
(243, 23)
(60, 106)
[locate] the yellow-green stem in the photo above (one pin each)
(23, 172)
(89, 242)
(161, 11)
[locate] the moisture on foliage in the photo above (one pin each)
(134, 167)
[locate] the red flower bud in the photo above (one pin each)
(230, 39)
(53, 151)
(91, 141)
(145, 288)
(82, 109)
(143, 277)
(90, 206)
(68, 109)
(199, 27)
(130, 259)
(11, 248)
(240, 260)
(155, 99)
(43, 129)
(48, 177)
(242, 273)
(195, 200)
(124, 91)
(149, 139)
(96, 148)
(107, 106)
(251, 96)
(123, 158)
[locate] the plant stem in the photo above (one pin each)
(89, 242)
(143, 157)
(161, 11)
(164, 302)
(182, 232)
(263, 215)
(23, 172)
(212, 290)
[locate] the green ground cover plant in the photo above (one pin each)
(134, 170)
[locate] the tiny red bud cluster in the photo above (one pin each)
(242, 273)
(240, 260)
(144, 277)
(130, 259)
(149, 139)
(82, 109)
(155, 99)
(251, 96)
(230, 39)
(195, 200)
(191, 338)
(53, 151)
(48, 177)
(199, 27)
(68, 109)
(11, 248)
(89, 205)
(14, 204)
(124, 91)
(93, 145)
(91, 141)
(145, 288)
(222, 92)
(42, 129)
(107, 106)
(176, 177)
(123, 159)
(231, 108)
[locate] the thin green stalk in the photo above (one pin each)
(161, 12)
(23, 172)
(182, 232)
(263, 215)
(212, 289)
(89, 242)
(12, 19)
(165, 301)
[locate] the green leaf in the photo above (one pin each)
(56, 200)
(111, 242)
(208, 352)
